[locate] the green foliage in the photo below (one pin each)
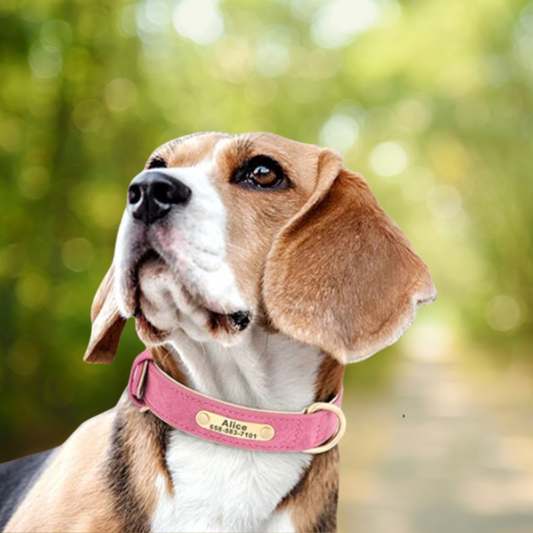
(432, 101)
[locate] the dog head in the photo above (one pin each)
(223, 231)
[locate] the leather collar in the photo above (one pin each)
(316, 429)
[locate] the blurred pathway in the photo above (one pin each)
(448, 466)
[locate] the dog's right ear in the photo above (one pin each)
(107, 323)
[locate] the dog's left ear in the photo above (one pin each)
(107, 323)
(341, 275)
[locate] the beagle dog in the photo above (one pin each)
(256, 268)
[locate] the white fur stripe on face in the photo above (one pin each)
(195, 275)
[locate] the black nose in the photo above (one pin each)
(152, 195)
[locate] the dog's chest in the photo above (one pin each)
(220, 488)
(217, 488)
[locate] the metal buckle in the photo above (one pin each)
(139, 393)
(339, 432)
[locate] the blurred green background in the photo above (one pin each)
(431, 100)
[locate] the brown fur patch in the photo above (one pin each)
(189, 150)
(329, 379)
(255, 217)
(107, 323)
(366, 279)
(313, 501)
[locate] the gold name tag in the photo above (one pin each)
(234, 428)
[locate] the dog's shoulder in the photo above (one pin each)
(16, 479)
(66, 483)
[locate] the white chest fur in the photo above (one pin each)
(218, 488)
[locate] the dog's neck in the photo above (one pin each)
(265, 371)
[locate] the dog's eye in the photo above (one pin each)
(261, 172)
(264, 176)
(156, 162)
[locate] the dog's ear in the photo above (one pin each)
(107, 323)
(341, 275)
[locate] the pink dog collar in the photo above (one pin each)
(315, 430)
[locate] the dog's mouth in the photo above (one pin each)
(218, 323)
(149, 256)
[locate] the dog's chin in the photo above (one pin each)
(148, 333)
(162, 305)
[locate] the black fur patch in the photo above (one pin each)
(126, 502)
(16, 479)
(156, 162)
(118, 474)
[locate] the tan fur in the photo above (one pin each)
(71, 494)
(254, 219)
(166, 362)
(329, 379)
(143, 434)
(190, 150)
(364, 279)
(107, 323)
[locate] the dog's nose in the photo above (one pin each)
(152, 195)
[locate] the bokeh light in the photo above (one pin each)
(273, 59)
(199, 20)
(502, 313)
(56, 33)
(46, 62)
(339, 132)
(388, 159)
(413, 115)
(418, 183)
(444, 201)
(32, 289)
(120, 94)
(337, 23)
(89, 115)
(77, 254)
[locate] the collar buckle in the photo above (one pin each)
(139, 391)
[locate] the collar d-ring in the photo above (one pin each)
(341, 426)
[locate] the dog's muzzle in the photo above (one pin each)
(153, 194)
